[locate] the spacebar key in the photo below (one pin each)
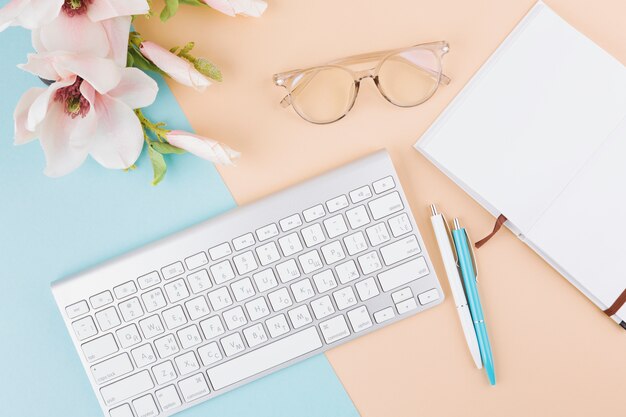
(264, 358)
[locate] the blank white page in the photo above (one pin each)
(530, 119)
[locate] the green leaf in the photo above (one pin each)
(192, 2)
(159, 167)
(170, 9)
(139, 61)
(205, 67)
(129, 60)
(166, 148)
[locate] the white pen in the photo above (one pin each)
(444, 241)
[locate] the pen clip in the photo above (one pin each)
(473, 254)
(450, 239)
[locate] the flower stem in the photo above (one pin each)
(157, 129)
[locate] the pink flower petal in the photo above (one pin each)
(41, 65)
(202, 147)
(252, 8)
(107, 9)
(23, 135)
(75, 34)
(117, 31)
(30, 14)
(10, 12)
(136, 89)
(102, 73)
(38, 110)
(118, 139)
(223, 6)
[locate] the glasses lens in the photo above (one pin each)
(323, 95)
(410, 77)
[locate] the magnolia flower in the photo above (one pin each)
(203, 147)
(176, 67)
(253, 8)
(87, 110)
(97, 27)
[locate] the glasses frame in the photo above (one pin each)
(288, 79)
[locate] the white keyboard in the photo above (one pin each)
(250, 292)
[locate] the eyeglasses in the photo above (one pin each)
(405, 77)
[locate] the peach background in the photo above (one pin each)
(556, 354)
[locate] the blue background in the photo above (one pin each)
(50, 228)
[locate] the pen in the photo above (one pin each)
(444, 241)
(468, 270)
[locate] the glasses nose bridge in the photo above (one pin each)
(367, 73)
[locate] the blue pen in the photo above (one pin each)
(468, 271)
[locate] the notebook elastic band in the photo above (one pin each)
(499, 222)
(617, 304)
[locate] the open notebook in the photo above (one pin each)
(539, 136)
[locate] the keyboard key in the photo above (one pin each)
(196, 261)
(401, 295)
(357, 217)
(257, 308)
(333, 252)
(199, 281)
(360, 194)
(378, 234)
(99, 348)
(255, 335)
(290, 244)
(189, 336)
(428, 296)
(267, 232)
(314, 213)
(334, 329)
(151, 327)
(166, 346)
(310, 262)
(267, 253)
(173, 270)
(148, 280)
(324, 281)
(302, 290)
(145, 406)
(77, 309)
(359, 319)
(277, 325)
(193, 388)
(337, 203)
(168, 398)
(313, 235)
(300, 316)
(131, 309)
(153, 300)
(108, 319)
(110, 369)
(128, 336)
(121, 411)
(400, 225)
(174, 317)
(369, 262)
(232, 344)
(187, 363)
(355, 243)
(406, 306)
(280, 299)
(209, 354)
(290, 223)
(197, 308)
(176, 290)
(403, 274)
(164, 372)
(400, 250)
(212, 327)
(220, 251)
(243, 241)
(287, 271)
(143, 355)
(222, 272)
(126, 388)
(385, 205)
(220, 298)
(85, 328)
(125, 289)
(264, 358)
(344, 298)
(234, 318)
(242, 289)
(347, 272)
(265, 280)
(244, 263)
(102, 299)
(322, 307)
(384, 184)
(384, 315)
(335, 226)
(367, 289)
